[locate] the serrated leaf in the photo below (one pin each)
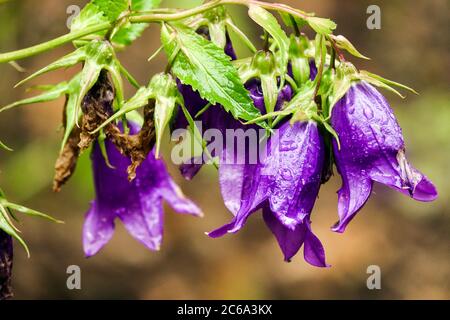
(51, 93)
(130, 32)
(269, 23)
(111, 8)
(343, 43)
(322, 26)
(89, 16)
(205, 67)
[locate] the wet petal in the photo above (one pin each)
(144, 220)
(372, 149)
(354, 193)
(295, 167)
(290, 241)
(98, 229)
(313, 250)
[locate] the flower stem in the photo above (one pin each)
(49, 45)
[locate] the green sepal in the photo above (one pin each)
(269, 23)
(343, 43)
(166, 96)
(5, 147)
(6, 223)
(67, 61)
(50, 94)
(322, 26)
(299, 61)
(140, 99)
(381, 82)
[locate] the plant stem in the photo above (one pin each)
(153, 17)
(157, 15)
(46, 46)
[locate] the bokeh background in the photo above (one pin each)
(408, 240)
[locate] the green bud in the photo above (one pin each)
(264, 62)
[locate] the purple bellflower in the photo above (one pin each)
(138, 204)
(372, 150)
(285, 185)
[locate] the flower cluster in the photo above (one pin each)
(316, 109)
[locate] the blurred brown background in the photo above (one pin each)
(408, 240)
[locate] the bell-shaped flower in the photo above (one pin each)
(138, 204)
(285, 183)
(371, 150)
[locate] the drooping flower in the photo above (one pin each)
(138, 204)
(217, 118)
(285, 184)
(372, 150)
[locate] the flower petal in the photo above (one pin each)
(143, 219)
(354, 193)
(98, 229)
(295, 167)
(313, 250)
(290, 241)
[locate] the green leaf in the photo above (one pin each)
(269, 23)
(322, 26)
(232, 26)
(205, 67)
(290, 19)
(89, 16)
(130, 32)
(111, 8)
(51, 93)
(343, 43)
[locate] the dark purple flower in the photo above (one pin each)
(285, 184)
(372, 149)
(139, 204)
(217, 118)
